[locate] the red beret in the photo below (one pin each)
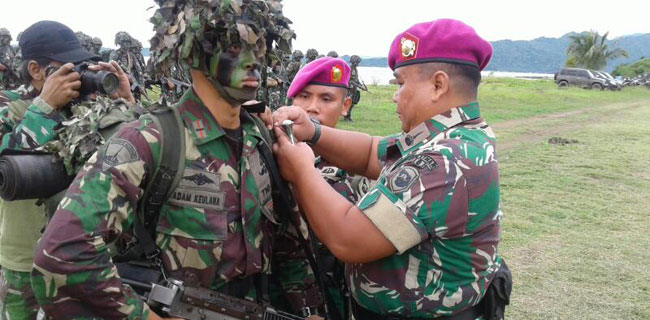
(325, 71)
(444, 40)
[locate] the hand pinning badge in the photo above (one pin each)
(287, 127)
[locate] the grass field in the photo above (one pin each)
(575, 233)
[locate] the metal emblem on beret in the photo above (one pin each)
(403, 179)
(407, 47)
(336, 74)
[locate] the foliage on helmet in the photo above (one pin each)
(355, 59)
(312, 54)
(333, 54)
(121, 36)
(4, 32)
(192, 29)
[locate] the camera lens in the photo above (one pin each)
(110, 83)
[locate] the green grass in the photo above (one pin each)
(576, 216)
(500, 98)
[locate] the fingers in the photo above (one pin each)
(280, 136)
(76, 85)
(117, 67)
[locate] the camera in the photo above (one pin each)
(95, 81)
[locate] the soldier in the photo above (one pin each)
(423, 242)
(219, 229)
(9, 79)
(333, 54)
(31, 116)
(123, 54)
(320, 89)
(96, 46)
(311, 55)
(138, 70)
(355, 85)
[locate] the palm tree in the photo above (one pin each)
(588, 50)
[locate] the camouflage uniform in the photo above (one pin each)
(311, 55)
(355, 85)
(96, 46)
(437, 202)
(9, 79)
(123, 54)
(85, 40)
(138, 68)
(217, 227)
(294, 65)
(26, 125)
(352, 187)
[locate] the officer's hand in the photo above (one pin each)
(61, 87)
(292, 160)
(124, 88)
(267, 118)
(303, 128)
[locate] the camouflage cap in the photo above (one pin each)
(4, 32)
(195, 28)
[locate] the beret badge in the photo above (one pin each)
(336, 74)
(407, 47)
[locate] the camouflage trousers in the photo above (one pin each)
(16, 296)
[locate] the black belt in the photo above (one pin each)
(361, 313)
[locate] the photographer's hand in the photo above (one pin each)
(61, 87)
(124, 88)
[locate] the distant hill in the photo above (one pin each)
(545, 55)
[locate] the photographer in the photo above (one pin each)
(30, 117)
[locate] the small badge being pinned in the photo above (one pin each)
(336, 74)
(408, 46)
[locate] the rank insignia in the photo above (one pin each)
(199, 128)
(408, 46)
(336, 74)
(403, 179)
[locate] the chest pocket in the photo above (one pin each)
(199, 207)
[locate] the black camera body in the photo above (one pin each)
(95, 81)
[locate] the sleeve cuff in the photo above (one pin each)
(42, 106)
(393, 219)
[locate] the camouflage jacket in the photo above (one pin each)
(437, 202)
(10, 78)
(218, 226)
(26, 121)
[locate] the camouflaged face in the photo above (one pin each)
(437, 202)
(197, 28)
(218, 226)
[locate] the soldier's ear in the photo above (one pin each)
(36, 71)
(439, 85)
(347, 103)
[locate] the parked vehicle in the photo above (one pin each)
(581, 78)
(612, 84)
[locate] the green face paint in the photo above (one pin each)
(237, 67)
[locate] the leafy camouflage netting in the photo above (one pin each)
(195, 28)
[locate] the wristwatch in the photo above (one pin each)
(314, 139)
(307, 312)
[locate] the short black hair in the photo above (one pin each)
(24, 70)
(464, 78)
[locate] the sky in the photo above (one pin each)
(362, 27)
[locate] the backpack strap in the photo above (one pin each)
(168, 172)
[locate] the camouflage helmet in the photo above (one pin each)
(311, 54)
(135, 43)
(97, 41)
(333, 54)
(297, 55)
(195, 29)
(4, 32)
(85, 40)
(121, 37)
(355, 59)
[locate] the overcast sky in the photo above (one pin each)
(363, 27)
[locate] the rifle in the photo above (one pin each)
(173, 298)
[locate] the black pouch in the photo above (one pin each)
(497, 296)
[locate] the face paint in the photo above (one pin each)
(237, 69)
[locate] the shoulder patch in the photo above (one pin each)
(119, 151)
(403, 179)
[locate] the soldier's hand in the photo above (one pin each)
(61, 87)
(292, 160)
(124, 88)
(303, 128)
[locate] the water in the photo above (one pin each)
(378, 75)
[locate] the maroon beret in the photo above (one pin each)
(325, 71)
